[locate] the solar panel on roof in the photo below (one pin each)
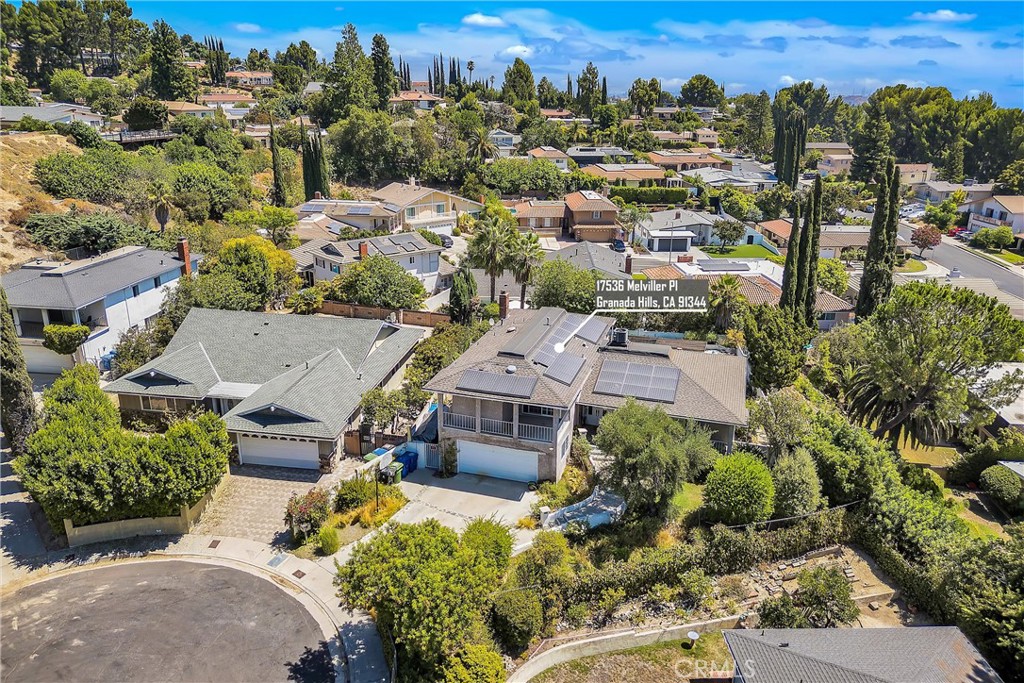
(564, 368)
(408, 246)
(526, 339)
(497, 384)
(646, 382)
(359, 211)
(309, 208)
(592, 330)
(388, 249)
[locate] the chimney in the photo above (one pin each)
(317, 195)
(184, 255)
(364, 249)
(412, 180)
(629, 264)
(503, 304)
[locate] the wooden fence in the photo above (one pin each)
(398, 315)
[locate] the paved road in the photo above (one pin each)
(951, 256)
(166, 621)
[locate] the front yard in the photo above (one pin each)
(740, 251)
(911, 265)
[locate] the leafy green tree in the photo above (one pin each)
(756, 135)
(651, 455)
(364, 146)
(203, 187)
(170, 79)
(525, 256)
(424, 586)
(927, 354)
(952, 169)
(560, 283)
(145, 114)
(784, 418)
(96, 232)
(780, 612)
(17, 405)
(701, 91)
(350, 76)
(1011, 179)
(588, 94)
(643, 96)
(306, 301)
(824, 597)
(739, 490)
(776, 345)
(517, 616)
(725, 301)
(474, 664)
(518, 87)
(728, 232)
(489, 249)
(67, 85)
(877, 282)
(797, 488)
(871, 147)
(378, 281)
(460, 302)
(832, 276)
(944, 214)
(384, 81)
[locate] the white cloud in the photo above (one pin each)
(485, 20)
(247, 28)
(787, 81)
(513, 51)
(942, 15)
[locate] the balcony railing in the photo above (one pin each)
(428, 217)
(529, 432)
(495, 427)
(466, 423)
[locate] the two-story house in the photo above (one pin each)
(358, 214)
(223, 99)
(937, 191)
(684, 160)
(424, 207)
(504, 141)
(547, 218)
(422, 101)
(321, 259)
(996, 211)
(827, 148)
(509, 405)
(592, 217)
(176, 109)
(109, 294)
(912, 174)
(552, 154)
(835, 164)
(584, 156)
(288, 386)
(250, 79)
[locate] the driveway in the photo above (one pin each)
(252, 501)
(166, 621)
(458, 500)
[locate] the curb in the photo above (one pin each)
(994, 261)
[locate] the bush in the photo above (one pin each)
(474, 664)
(1003, 485)
(327, 539)
(739, 490)
(517, 617)
(491, 538)
(309, 508)
(780, 612)
(64, 339)
(651, 195)
(797, 488)
(96, 232)
(577, 615)
(968, 468)
(353, 493)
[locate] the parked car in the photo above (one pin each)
(446, 241)
(618, 245)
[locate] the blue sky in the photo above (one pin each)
(852, 47)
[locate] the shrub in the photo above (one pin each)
(1003, 485)
(732, 587)
(491, 538)
(517, 617)
(474, 664)
(780, 612)
(739, 490)
(694, 588)
(306, 301)
(327, 539)
(577, 615)
(968, 468)
(797, 488)
(353, 493)
(64, 339)
(651, 195)
(610, 600)
(309, 508)
(572, 487)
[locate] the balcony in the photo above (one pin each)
(466, 423)
(425, 218)
(527, 432)
(978, 221)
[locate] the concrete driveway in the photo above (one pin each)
(458, 500)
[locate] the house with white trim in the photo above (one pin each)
(424, 207)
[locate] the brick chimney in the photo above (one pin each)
(184, 255)
(364, 249)
(317, 195)
(629, 264)
(503, 304)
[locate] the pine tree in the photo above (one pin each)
(278, 195)
(568, 88)
(17, 406)
(789, 274)
(877, 281)
(384, 82)
(953, 162)
(604, 90)
(813, 237)
(870, 145)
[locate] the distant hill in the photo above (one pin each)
(854, 100)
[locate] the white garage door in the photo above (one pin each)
(43, 360)
(494, 461)
(278, 452)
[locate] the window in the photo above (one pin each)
(547, 222)
(154, 403)
(1002, 215)
(439, 208)
(537, 410)
(335, 268)
(596, 215)
(410, 212)
(156, 283)
(135, 290)
(827, 316)
(412, 260)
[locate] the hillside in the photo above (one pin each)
(18, 154)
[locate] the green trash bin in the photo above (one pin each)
(395, 469)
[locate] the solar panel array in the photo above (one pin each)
(564, 368)
(593, 330)
(362, 210)
(546, 354)
(388, 249)
(646, 382)
(497, 384)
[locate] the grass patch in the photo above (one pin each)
(667, 661)
(740, 251)
(979, 529)
(936, 456)
(1009, 256)
(685, 503)
(911, 265)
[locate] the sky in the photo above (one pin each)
(852, 47)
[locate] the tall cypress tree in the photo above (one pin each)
(803, 260)
(604, 90)
(876, 282)
(430, 82)
(17, 406)
(813, 237)
(568, 87)
(441, 87)
(278, 196)
(792, 259)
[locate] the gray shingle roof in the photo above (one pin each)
(79, 283)
(345, 356)
(592, 256)
(347, 253)
(922, 654)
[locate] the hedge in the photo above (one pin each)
(651, 195)
(64, 339)
(517, 616)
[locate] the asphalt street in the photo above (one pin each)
(160, 621)
(970, 265)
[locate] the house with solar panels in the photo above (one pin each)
(424, 207)
(335, 214)
(510, 404)
(321, 259)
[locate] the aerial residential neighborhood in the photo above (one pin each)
(572, 343)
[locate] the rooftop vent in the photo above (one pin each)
(510, 369)
(620, 337)
(783, 644)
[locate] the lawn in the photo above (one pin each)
(685, 502)
(741, 251)
(1009, 256)
(912, 265)
(667, 661)
(936, 456)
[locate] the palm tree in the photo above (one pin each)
(725, 300)
(634, 217)
(470, 65)
(525, 255)
(576, 132)
(162, 209)
(480, 145)
(489, 249)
